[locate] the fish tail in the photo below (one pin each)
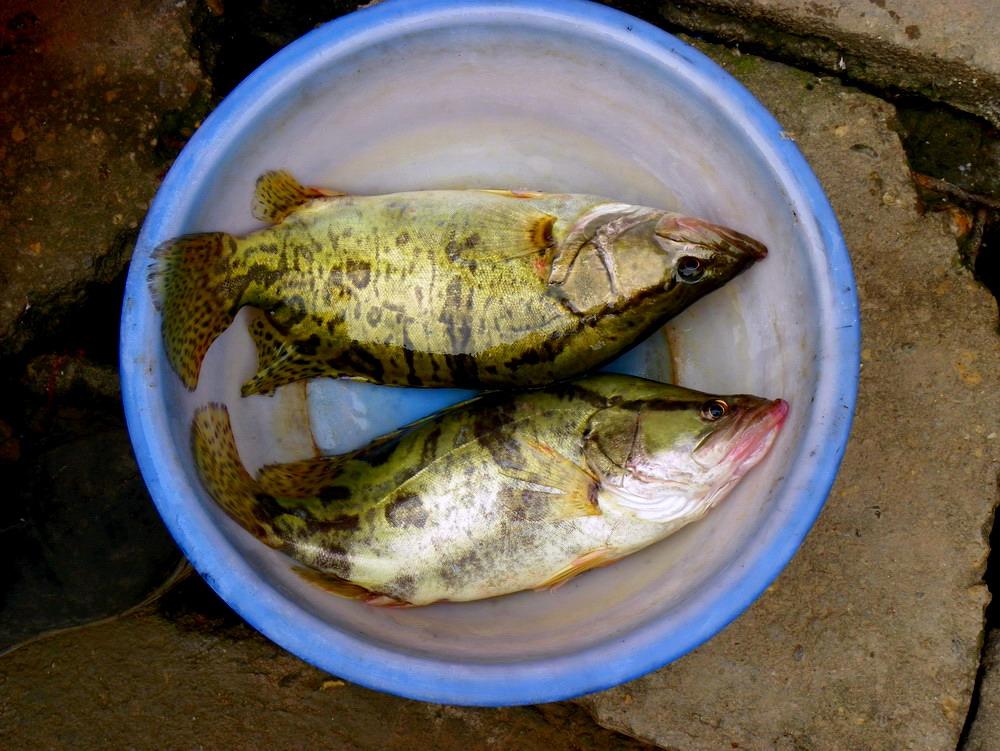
(224, 476)
(187, 280)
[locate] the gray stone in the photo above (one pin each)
(90, 93)
(870, 638)
(943, 51)
(984, 733)
(147, 683)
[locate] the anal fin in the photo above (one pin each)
(278, 360)
(594, 559)
(343, 588)
(278, 194)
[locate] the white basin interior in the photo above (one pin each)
(509, 98)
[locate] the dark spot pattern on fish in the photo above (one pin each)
(406, 510)
(463, 368)
(457, 570)
(569, 391)
(332, 558)
(403, 587)
(308, 347)
(359, 273)
(355, 358)
(430, 447)
(330, 493)
(402, 239)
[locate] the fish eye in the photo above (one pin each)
(690, 269)
(714, 409)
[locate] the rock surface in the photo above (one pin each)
(89, 115)
(148, 683)
(942, 51)
(870, 638)
(984, 733)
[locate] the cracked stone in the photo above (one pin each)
(870, 638)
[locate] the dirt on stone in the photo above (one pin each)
(206, 681)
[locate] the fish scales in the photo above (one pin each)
(503, 493)
(472, 288)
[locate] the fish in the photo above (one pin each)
(506, 492)
(439, 288)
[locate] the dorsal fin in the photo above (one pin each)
(278, 194)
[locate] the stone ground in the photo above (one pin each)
(943, 51)
(871, 638)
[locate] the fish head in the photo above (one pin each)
(620, 253)
(702, 256)
(672, 458)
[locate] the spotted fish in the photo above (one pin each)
(506, 492)
(469, 288)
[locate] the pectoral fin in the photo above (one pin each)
(569, 490)
(278, 194)
(594, 559)
(512, 229)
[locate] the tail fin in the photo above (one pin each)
(224, 476)
(187, 282)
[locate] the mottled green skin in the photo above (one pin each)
(450, 288)
(503, 493)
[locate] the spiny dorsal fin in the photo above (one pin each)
(278, 194)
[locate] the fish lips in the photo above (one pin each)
(756, 431)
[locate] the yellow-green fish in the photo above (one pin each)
(506, 492)
(469, 288)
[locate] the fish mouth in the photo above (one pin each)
(756, 432)
(691, 229)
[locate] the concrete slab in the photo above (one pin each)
(984, 733)
(943, 51)
(87, 95)
(147, 683)
(870, 639)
